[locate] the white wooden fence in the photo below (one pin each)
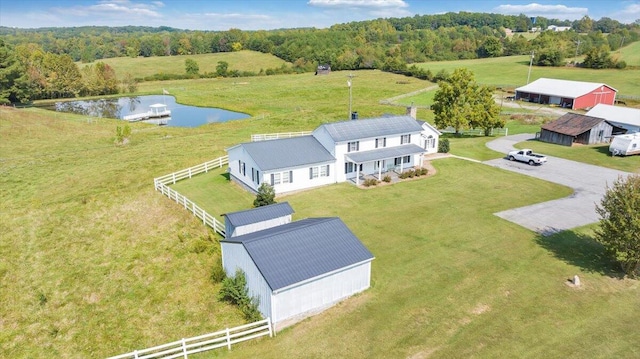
(224, 338)
(478, 131)
(161, 184)
(275, 136)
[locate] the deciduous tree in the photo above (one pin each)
(619, 230)
(461, 103)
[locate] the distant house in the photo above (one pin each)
(333, 153)
(299, 268)
(558, 28)
(573, 128)
(569, 94)
(323, 70)
(626, 118)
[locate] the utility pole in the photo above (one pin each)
(530, 64)
(577, 47)
(350, 76)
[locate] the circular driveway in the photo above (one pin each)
(589, 183)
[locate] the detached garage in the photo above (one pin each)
(299, 268)
(568, 94)
(573, 128)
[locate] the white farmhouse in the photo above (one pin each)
(334, 152)
(299, 268)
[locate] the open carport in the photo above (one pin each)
(588, 182)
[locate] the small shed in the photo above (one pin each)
(323, 70)
(573, 128)
(255, 219)
(568, 94)
(300, 268)
(626, 118)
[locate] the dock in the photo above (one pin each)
(157, 110)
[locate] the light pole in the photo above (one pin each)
(530, 63)
(350, 76)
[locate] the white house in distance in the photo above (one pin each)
(334, 152)
(295, 269)
(623, 117)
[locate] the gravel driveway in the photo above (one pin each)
(588, 182)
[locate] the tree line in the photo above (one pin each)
(40, 63)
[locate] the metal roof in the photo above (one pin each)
(572, 124)
(618, 114)
(373, 127)
(259, 214)
(561, 88)
(384, 153)
(288, 152)
(302, 250)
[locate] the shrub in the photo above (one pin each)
(423, 171)
(234, 290)
(386, 178)
(217, 272)
(443, 145)
(370, 182)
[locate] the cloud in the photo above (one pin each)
(561, 12)
(119, 9)
(630, 14)
(367, 4)
(374, 8)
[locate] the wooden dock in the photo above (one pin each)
(157, 110)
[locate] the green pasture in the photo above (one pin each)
(512, 71)
(141, 67)
(96, 263)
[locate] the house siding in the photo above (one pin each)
(235, 256)
(312, 297)
(301, 178)
(236, 154)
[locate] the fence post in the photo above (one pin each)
(204, 219)
(135, 354)
(189, 172)
(506, 131)
(228, 340)
(184, 349)
(270, 328)
(174, 177)
(206, 169)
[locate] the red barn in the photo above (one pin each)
(569, 94)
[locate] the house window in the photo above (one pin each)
(398, 160)
(353, 146)
(406, 159)
(313, 172)
(405, 139)
(349, 167)
(381, 142)
(275, 179)
(287, 177)
(324, 171)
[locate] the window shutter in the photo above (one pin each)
(310, 172)
(272, 180)
(327, 170)
(290, 176)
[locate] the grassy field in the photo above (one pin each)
(141, 67)
(512, 71)
(453, 280)
(95, 263)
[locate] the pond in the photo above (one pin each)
(181, 115)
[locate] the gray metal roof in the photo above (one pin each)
(288, 152)
(373, 127)
(384, 153)
(301, 250)
(561, 88)
(572, 124)
(260, 214)
(618, 114)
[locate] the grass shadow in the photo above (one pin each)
(580, 250)
(226, 176)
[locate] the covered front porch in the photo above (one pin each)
(384, 161)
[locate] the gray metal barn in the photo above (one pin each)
(573, 128)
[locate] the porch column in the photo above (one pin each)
(357, 174)
(379, 170)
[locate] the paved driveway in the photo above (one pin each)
(589, 183)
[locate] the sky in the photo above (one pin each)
(219, 15)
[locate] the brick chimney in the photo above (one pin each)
(412, 111)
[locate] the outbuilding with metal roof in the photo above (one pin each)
(573, 128)
(299, 268)
(565, 93)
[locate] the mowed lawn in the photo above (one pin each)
(450, 279)
(96, 263)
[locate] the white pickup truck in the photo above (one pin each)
(526, 155)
